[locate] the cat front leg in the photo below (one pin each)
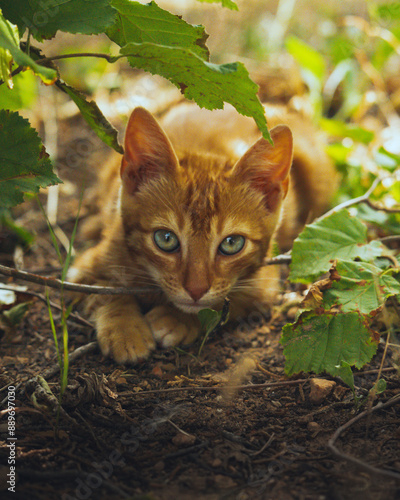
(122, 331)
(171, 327)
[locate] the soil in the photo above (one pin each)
(171, 427)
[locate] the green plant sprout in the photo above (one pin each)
(63, 359)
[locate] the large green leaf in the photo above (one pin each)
(360, 286)
(210, 85)
(94, 117)
(45, 17)
(138, 23)
(9, 42)
(164, 44)
(24, 164)
(337, 236)
(321, 343)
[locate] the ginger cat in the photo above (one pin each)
(192, 217)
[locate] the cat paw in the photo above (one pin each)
(125, 340)
(171, 328)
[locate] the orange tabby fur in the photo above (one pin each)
(203, 187)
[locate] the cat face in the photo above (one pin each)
(200, 225)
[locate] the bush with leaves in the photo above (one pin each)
(333, 331)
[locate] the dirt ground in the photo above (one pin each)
(171, 427)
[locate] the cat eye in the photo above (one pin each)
(167, 241)
(232, 245)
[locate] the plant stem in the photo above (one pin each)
(75, 287)
(107, 57)
(28, 42)
(354, 201)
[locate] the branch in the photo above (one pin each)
(384, 209)
(246, 387)
(72, 315)
(348, 458)
(80, 54)
(75, 287)
(286, 258)
(73, 356)
(390, 239)
(354, 201)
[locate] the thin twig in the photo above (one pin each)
(373, 372)
(66, 285)
(74, 316)
(354, 201)
(247, 387)
(107, 57)
(73, 356)
(348, 458)
(285, 258)
(390, 239)
(381, 208)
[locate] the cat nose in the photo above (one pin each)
(197, 291)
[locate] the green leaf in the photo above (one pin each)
(45, 17)
(93, 116)
(379, 386)
(5, 55)
(337, 236)
(345, 373)
(24, 236)
(306, 56)
(225, 3)
(9, 41)
(361, 287)
(24, 163)
(163, 44)
(210, 85)
(209, 319)
(322, 343)
(138, 23)
(14, 315)
(340, 129)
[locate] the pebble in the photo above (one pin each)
(320, 389)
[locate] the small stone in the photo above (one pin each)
(157, 371)
(313, 427)
(121, 381)
(181, 439)
(159, 466)
(320, 389)
(291, 314)
(224, 481)
(264, 329)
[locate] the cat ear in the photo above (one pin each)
(148, 151)
(267, 167)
